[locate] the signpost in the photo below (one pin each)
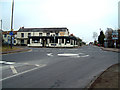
(11, 33)
(115, 36)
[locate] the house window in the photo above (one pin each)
(67, 40)
(22, 41)
(5, 35)
(62, 40)
(40, 34)
(29, 34)
(22, 34)
(14, 41)
(48, 34)
(56, 34)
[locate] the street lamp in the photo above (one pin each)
(12, 21)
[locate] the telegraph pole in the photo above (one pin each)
(1, 24)
(12, 21)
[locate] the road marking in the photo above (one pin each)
(4, 62)
(13, 69)
(49, 54)
(30, 50)
(72, 55)
(67, 54)
(23, 72)
(85, 56)
(37, 65)
(9, 63)
(80, 53)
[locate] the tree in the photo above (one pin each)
(79, 41)
(95, 35)
(101, 38)
(108, 33)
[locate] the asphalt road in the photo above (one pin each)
(55, 67)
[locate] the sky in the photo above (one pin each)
(81, 17)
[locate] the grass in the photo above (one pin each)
(8, 48)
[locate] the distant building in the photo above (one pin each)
(46, 37)
(112, 38)
(7, 37)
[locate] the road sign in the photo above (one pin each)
(11, 33)
(115, 35)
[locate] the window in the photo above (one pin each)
(62, 40)
(48, 34)
(14, 41)
(29, 34)
(52, 40)
(36, 41)
(40, 34)
(22, 34)
(9, 37)
(56, 34)
(5, 35)
(22, 41)
(67, 40)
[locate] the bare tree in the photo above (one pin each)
(95, 35)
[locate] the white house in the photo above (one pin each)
(46, 37)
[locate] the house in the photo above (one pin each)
(7, 37)
(111, 38)
(46, 37)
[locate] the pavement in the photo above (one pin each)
(111, 49)
(110, 77)
(55, 67)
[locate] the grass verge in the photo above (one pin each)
(8, 48)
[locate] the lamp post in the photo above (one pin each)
(12, 21)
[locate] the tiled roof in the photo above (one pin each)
(41, 29)
(7, 32)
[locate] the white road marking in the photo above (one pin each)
(23, 72)
(85, 56)
(72, 55)
(4, 62)
(13, 69)
(9, 63)
(49, 54)
(37, 65)
(68, 54)
(1, 62)
(80, 53)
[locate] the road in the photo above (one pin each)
(55, 67)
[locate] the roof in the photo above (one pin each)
(41, 29)
(7, 32)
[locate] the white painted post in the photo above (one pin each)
(30, 40)
(64, 41)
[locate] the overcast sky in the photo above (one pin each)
(81, 17)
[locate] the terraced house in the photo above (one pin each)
(7, 37)
(46, 37)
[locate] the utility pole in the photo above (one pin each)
(12, 22)
(1, 24)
